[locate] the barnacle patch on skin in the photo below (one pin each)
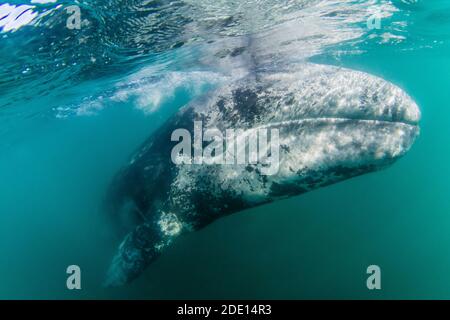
(170, 224)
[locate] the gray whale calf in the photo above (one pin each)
(334, 124)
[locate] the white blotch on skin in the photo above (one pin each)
(169, 224)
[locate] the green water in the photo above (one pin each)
(54, 172)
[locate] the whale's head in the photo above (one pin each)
(333, 124)
(337, 123)
(349, 122)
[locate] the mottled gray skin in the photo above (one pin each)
(334, 124)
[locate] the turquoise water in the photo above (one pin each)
(74, 104)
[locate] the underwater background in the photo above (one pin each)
(75, 103)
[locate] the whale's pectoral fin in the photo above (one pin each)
(138, 249)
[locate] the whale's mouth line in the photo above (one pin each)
(339, 120)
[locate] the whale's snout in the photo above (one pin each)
(386, 118)
(407, 110)
(399, 133)
(339, 123)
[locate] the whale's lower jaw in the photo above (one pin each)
(377, 138)
(384, 139)
(329, 150)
